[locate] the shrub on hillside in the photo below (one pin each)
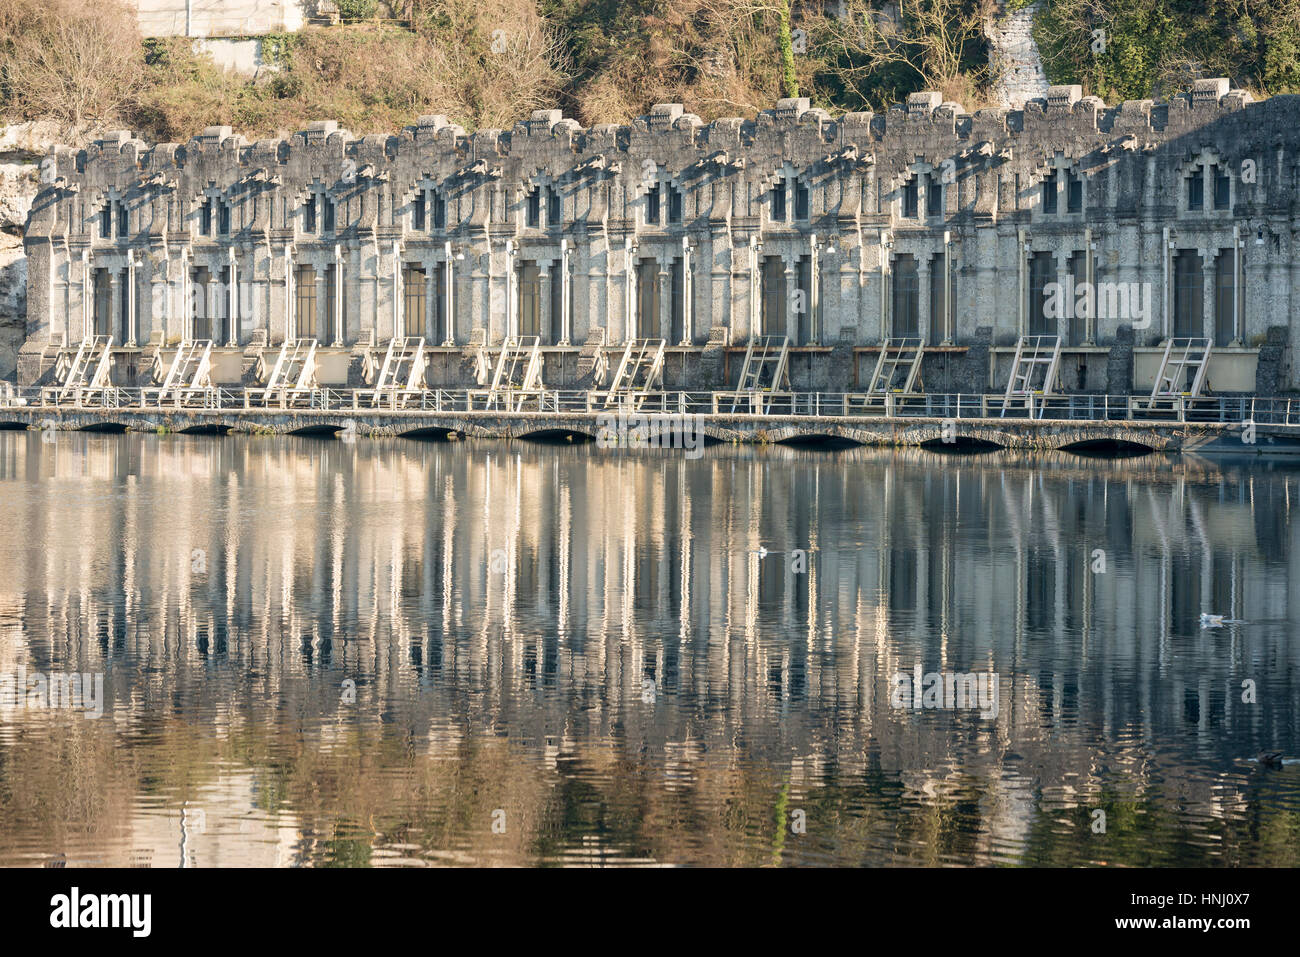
(76, 62)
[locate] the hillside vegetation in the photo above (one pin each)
(486, 63)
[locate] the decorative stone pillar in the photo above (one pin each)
(548, 325)
(665, 299)
(232, 302)
(929, 326)
(688, 310)
(629, 290)
(1209, 272)
(115, 303)
(323, 320)
(448, 292)
(131, 336)
(431, 329)
(566, 280)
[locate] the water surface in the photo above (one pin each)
(405, 653)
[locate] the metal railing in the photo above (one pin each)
(1282, 411)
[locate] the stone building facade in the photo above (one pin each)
(965, 230)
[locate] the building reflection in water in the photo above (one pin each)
(594, 643)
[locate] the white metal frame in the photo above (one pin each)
(1180, 355)
(190, 370)
(896, 354)
(764, 354)
(94, 351)
(639, 372)
(1034, 354)
(518, 369)
(402, 371)
(592, 358)
(294, 370)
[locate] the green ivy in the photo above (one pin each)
(277, 48)
(353, 10)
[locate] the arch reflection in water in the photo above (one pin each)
(357, 652)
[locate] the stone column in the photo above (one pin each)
(87, 300)
(130, 299)
(431, 309)
(791, 285)
(399, 329)
(232, 303)
(665, 299)
(1209, 315)
(566, 292)
(324, 332)
(688, 307)
(449, 294)
(339, 332)
(115, 305)
(547, 324)
(290, 330)
(929, 326)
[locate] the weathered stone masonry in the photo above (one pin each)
(836, 232)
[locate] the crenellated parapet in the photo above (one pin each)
(163, 185)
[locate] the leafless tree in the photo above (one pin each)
(77, 62)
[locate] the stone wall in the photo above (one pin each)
(794, 221)
(21, 148)
(221, 18)
(1014, 59)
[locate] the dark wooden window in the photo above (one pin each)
(413, 300)
(530, 299)
(1074, 194)
(533, 211)
(554, 213)
(1196, 189)
(103, 314)
(1222, 189)
(1225, 295)
(1049, 194)
(910, 200)
(305, 300)
(1077, 330)
(647, 286)
(774, 296)
(1042, 272)
(905, 320)
(1189, 294)
(674, 205)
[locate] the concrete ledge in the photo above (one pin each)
(1027, 434)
